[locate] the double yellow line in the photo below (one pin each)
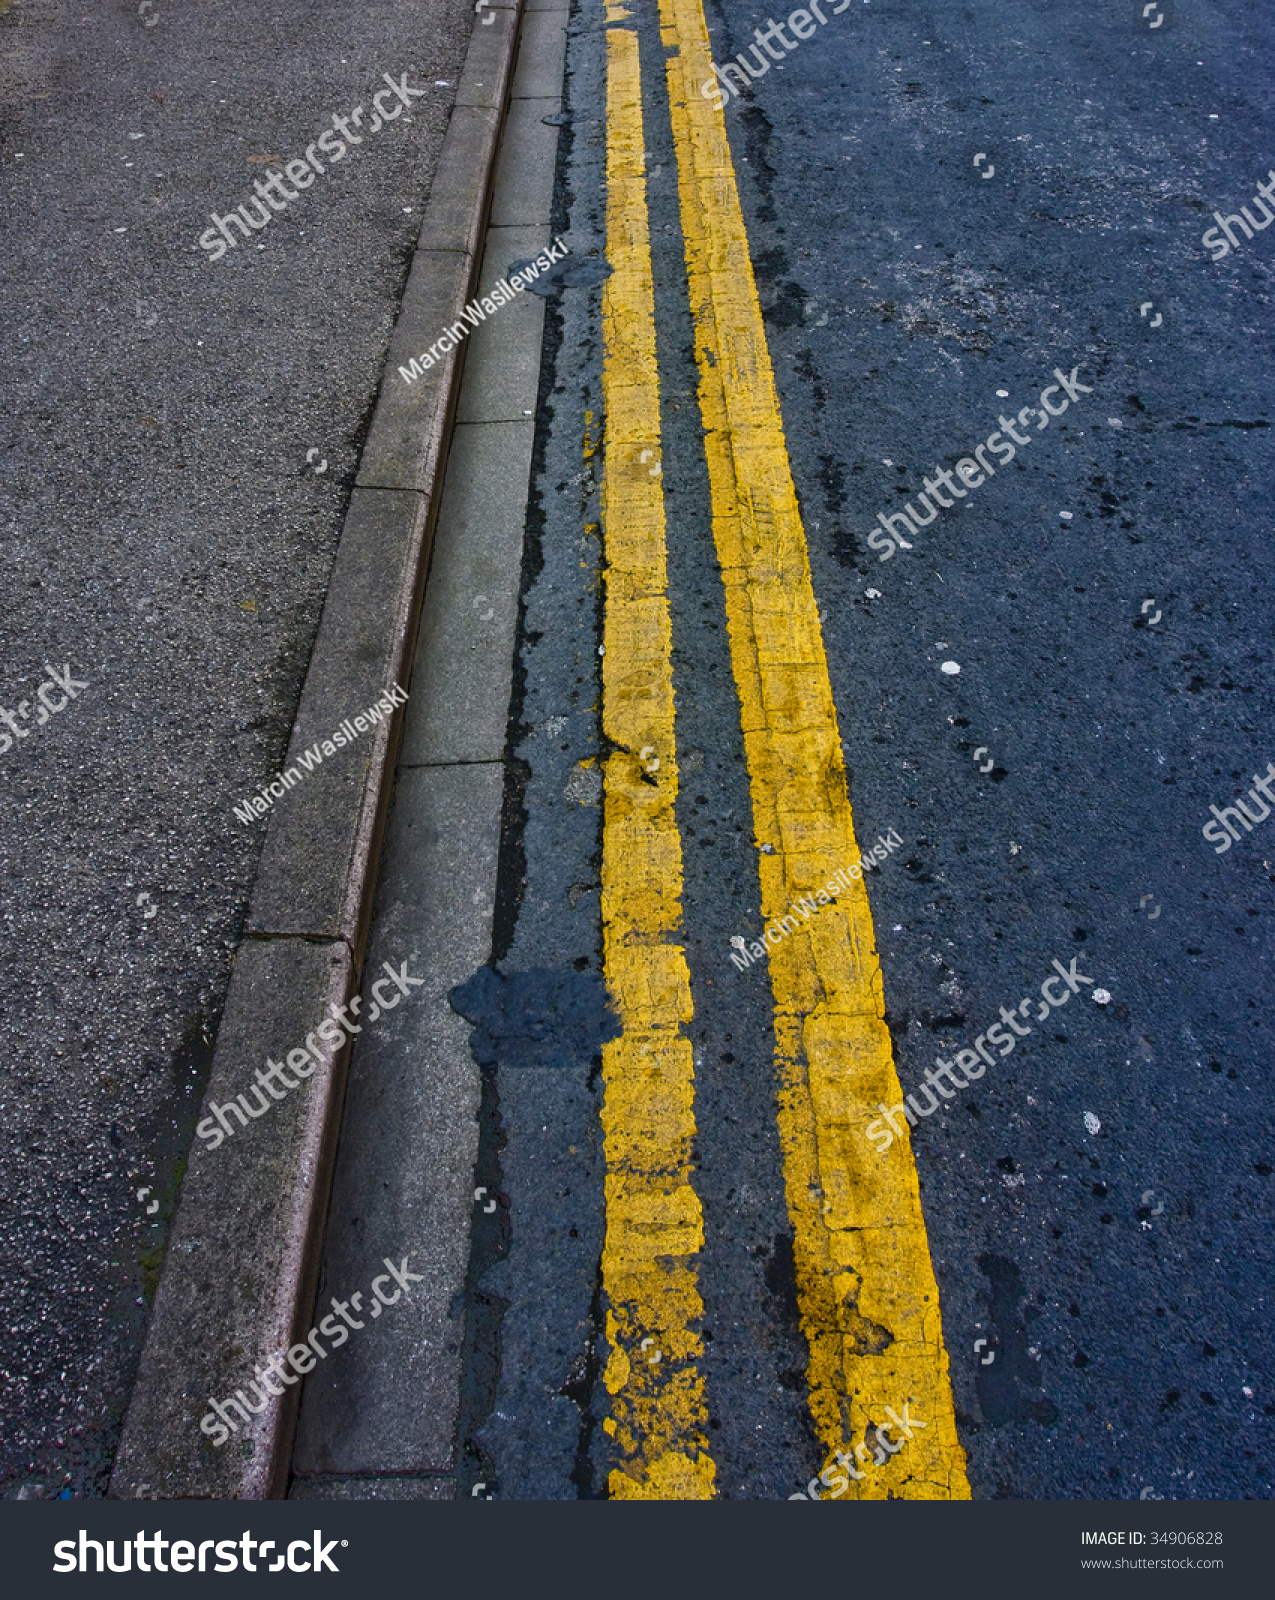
(866, 1291)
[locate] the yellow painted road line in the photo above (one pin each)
(868, 1299)
(654, 1226)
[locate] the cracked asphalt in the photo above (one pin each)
(1044, 695)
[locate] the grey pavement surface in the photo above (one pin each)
(385, 1416)
(178, 451)
(404, 1182)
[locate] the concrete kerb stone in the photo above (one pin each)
(488, 69)
(320, 850)
(406, 444)
(456, 217)
(241, 1265)
(239, 1275)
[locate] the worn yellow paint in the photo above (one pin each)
(654, 1227)
(868, 1299)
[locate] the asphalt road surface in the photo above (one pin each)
(945, 211)
(179, 439)
(875, 1044)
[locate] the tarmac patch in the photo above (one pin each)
(571, 273)
(544, 1017)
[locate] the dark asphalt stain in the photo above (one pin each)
(511, 877)
(783, 1308)
(573, 273)
(1009, 1388)
(544, 1017)
(758, 132)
